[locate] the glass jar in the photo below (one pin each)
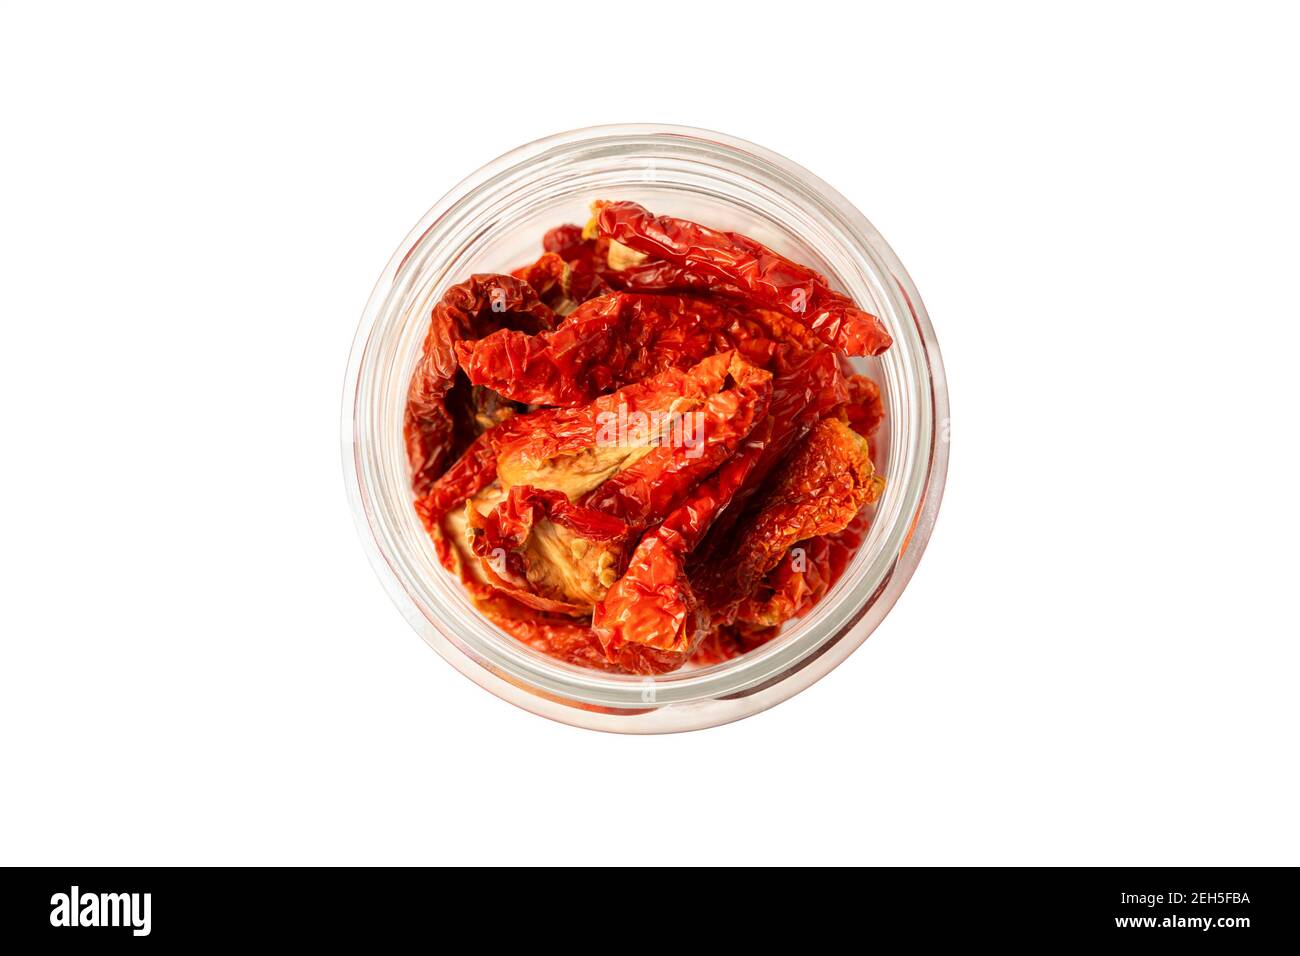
(493, 222)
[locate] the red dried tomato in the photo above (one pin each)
(705, 259)
(471, 309)
(803, 576)
(822, 487)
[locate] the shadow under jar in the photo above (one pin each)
(492, 222)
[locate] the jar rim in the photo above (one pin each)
(687, 699)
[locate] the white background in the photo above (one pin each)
(1097, 659)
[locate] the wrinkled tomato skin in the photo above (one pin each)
(737, 265)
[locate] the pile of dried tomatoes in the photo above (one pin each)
(648, 447)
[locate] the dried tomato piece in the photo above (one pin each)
(556, 636)
(804, 575)
(470, 309)
(470, 474)
(605, 343)
(601, 265)
(577, 449)
(702, 258)
(547, 552)
(650, 621)
(799, 579)
(475, 469)
(821, 488)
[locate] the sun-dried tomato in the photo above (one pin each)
(476, 468)
(556, 636)
(705, 259)
(577, 449)
(818, 491)
(624, 337)
(604, 344)
(470, 309)
(546, 552)
(803, 576)
(647, 447)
